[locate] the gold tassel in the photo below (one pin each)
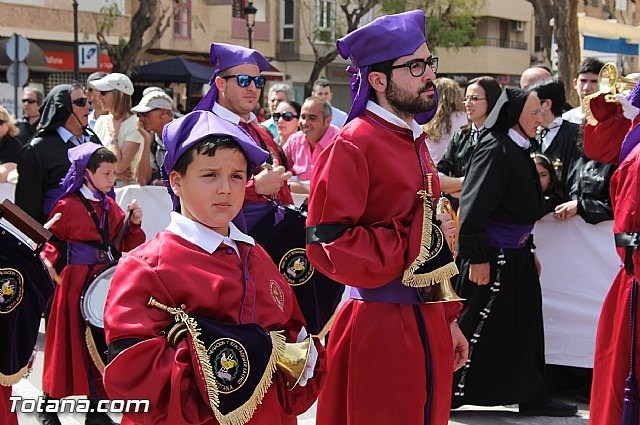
(244, 413)
(408, 278)
(9, 380)
(93, 350)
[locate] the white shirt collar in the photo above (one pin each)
(553, 128)
(227, 115)
(394, 119)
(88, 193)
(207, 239)
(519, 139)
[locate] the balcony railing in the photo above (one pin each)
(505, 44)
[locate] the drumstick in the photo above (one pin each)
(57, 216)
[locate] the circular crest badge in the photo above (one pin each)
(296, 267)
(437, 241)
(11, 290)
(230, 364)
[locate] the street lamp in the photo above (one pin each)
(250, 15)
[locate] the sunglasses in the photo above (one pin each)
(29, 101)
(244, 80)
(287, 116)
(3, 122)
(104, 93)
(81, 101)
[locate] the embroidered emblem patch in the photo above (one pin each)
(11, 290)
(296, 267)
(277, 294)
(230, 364)
(437, 242)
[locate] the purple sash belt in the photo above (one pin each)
(393, 292)
(82, 253)
(508, 235)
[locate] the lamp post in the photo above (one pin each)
(76, 59)
(250, 15)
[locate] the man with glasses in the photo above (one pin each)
(303, 147)
(43, 162)
(28, 124)
(391, 356)
(234, 94)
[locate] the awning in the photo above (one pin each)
(619, 46)
(35, 60)
(174, 70)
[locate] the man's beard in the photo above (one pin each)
(404, 103)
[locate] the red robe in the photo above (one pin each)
(175, 272)
(368, 179)
(6, 417)
(66, 358)
(613, 340)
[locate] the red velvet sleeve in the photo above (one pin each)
(151, 369)
(51, 250)
(602, 142)
(339, 194)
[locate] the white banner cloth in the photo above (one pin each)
(579, 263)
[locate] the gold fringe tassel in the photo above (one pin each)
(408, 278)
(9, 380)
(93, 350)
(434, 277)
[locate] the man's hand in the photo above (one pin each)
(460, 346)
(448, 227)
(566, 211)
(268, 182)
(480, 273)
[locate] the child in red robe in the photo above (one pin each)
(91, 225)
(204, 265)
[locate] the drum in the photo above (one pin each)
(282, 234)
(92, 303)
(25, 290)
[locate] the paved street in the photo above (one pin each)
(30, 388)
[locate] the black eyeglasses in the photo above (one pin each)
(417, 67)
(81, 101)
(244, 80)
(473, 98)
(29, 101)
(287, 116)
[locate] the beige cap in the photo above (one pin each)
(153, 100)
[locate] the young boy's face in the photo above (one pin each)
(104, 178)
(212, 190)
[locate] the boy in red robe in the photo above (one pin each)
(391, 356)
(203, 263)
(91, 225)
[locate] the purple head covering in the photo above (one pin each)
(79, 158)
(633, 137)
(386, 38)
(224, 56)
(183, 133)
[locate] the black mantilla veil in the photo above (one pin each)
(56, 108)
(506, 113)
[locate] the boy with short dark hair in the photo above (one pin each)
(203, 269)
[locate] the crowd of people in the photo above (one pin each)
(198, 318)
